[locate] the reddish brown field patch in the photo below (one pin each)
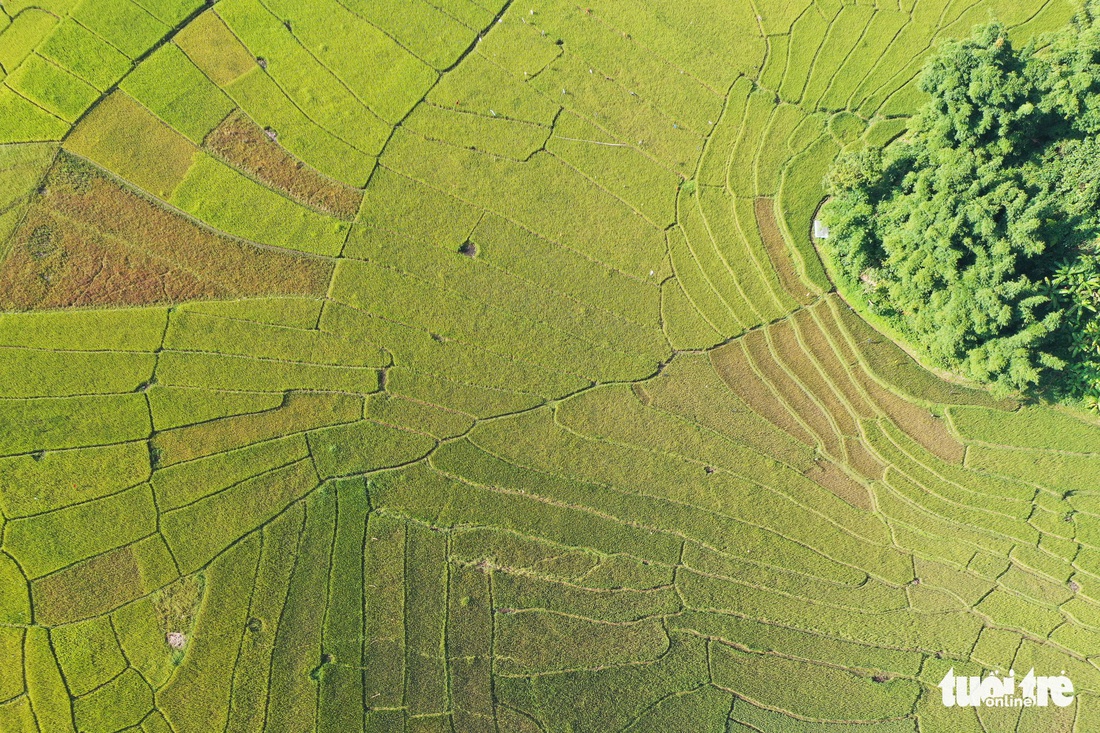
(732, 365)
(861, 459)
(778, 252)
(830, 476)
(790, 351)
(242, 143)
(87, 241)
(832, 360)
(792, 393)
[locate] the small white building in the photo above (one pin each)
(820, 230)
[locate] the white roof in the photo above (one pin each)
(820, 230)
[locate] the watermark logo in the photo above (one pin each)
(1003, 692)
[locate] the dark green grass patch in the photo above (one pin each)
(32, 484)
(296, 662)
(170, 85)
(52, 87)
(426, 611)
(365, 446)
(88, 653)
(384, 615)
(21, 121)
(125, 700)
(71, 422)
(340, 678)
(615, 606)
(77, 49)
(303, 77)
(611, 698)
(702, 710)
(428, 496)
(45, 686)
(122, 23)
(47, 542)
(184, 483)
(841, 695)
(378, 68)
(540, 642)
(174, 407)
(233, 513)
(251, 673)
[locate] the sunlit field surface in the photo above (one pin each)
(467, 366)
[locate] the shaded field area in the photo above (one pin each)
(460, 365)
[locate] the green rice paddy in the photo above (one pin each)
(467, 366)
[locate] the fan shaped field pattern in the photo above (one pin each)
(465, 365)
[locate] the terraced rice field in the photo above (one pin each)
(466, 365)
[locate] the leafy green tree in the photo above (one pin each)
(975, 234)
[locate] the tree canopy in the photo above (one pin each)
(976, 233)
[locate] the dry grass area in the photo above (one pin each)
(89, 241)
(242, 143)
